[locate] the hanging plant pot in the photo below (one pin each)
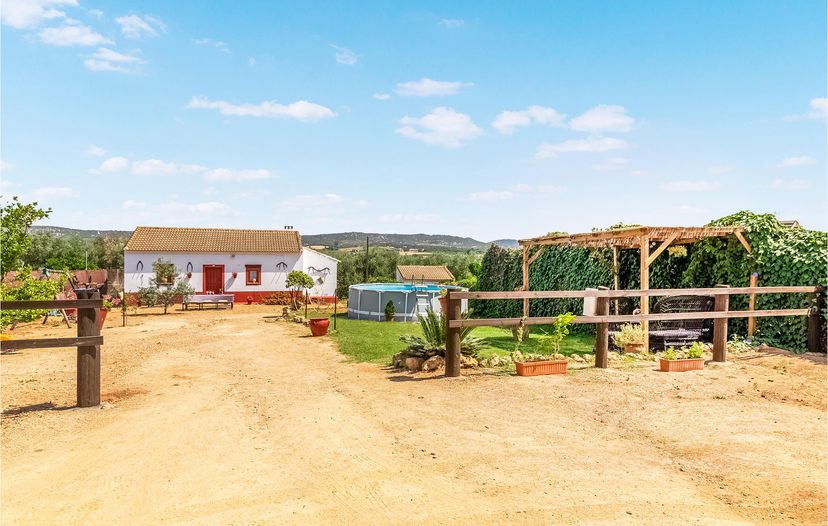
(189, 275)
(319, 326)
(234, 274)
(541, 367)
(680, 366)
(102, 317)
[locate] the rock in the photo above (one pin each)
(397, 360)
(578, 358)
(413, 364)
(467, 362)
(506, 360)
(494, 361)
(434, 363)
(559, 356)
(517, 356)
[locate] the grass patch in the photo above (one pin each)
(374, 341)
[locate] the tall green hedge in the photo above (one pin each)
(781, 256)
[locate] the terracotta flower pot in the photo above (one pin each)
(250, 300)
(102, 317)
(319, 326)
(541, 367)
(634, 348)
(444, 304)
(679, 366)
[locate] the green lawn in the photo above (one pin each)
(373, 341)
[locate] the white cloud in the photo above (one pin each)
(550, 189)
(131, 204)
(426, 87)
(218, 44)
(136, 27)
(97, 13)
(227, 174)
(108, 60)
(819, 111)
(603, 118)
(23, 14)
(152, 167)
(55, 192)
(344, 55)
(792, 162)
(790, 184)
(443, 127)
(6, 185)
(508, 121)
(690, 186)
(452, 23)
(72, 33)
(408, 218)
(95, 151)
(719, 169)
(590, 145)
(615, 163)
(114, 164)
(5, 166)
(382, 96)
(490, 196)
(521, 188)
(300, 110)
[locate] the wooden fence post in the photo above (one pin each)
(602, 331)
(89, 356)
(751, 323)
(815, 337)
(721, 304)
(452, 337)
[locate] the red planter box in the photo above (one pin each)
(542, 367)
(679, 366)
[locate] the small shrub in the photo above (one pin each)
(670, 354)
(551, 340)
(390, 310)
(433, 340)
(629, 333)
(298, 281)
(696, 350)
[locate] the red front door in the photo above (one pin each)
(214, 279)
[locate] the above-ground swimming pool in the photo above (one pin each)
(367, 301)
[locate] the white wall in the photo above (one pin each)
(314, 264)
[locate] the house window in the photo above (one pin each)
(253, 274)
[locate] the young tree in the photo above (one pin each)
(165, 288)
(297, 281)
(15, 220)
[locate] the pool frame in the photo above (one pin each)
(405, 302)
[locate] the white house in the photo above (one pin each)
(246, 263)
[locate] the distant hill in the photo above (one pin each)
(334, 241)
(59, 231)
(421, 241)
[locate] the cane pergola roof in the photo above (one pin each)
(631, 237)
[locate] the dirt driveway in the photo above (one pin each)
(225, 418)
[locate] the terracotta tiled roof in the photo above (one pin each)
(426, 272)
(174, 239)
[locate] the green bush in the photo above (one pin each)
(29, 288)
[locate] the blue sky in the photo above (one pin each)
(486, 119)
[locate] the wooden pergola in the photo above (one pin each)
(639, 237)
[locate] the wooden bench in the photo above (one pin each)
(209, 299)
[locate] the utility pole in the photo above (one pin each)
(366, 259)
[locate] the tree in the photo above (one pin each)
(27, 287)
(15, 220)
(297, 281)
(165, 288)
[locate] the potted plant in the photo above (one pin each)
(250, 300)
(444, 300)
(550, 345)
(630, 338)
(683, 359)
(109, 302)
(390, 310)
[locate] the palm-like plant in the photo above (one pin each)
(433, 340)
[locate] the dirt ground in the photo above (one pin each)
(226, 417)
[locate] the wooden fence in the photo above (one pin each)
(602, 317)
(88, 341)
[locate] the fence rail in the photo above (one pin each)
(88, 341)
(602, 317)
